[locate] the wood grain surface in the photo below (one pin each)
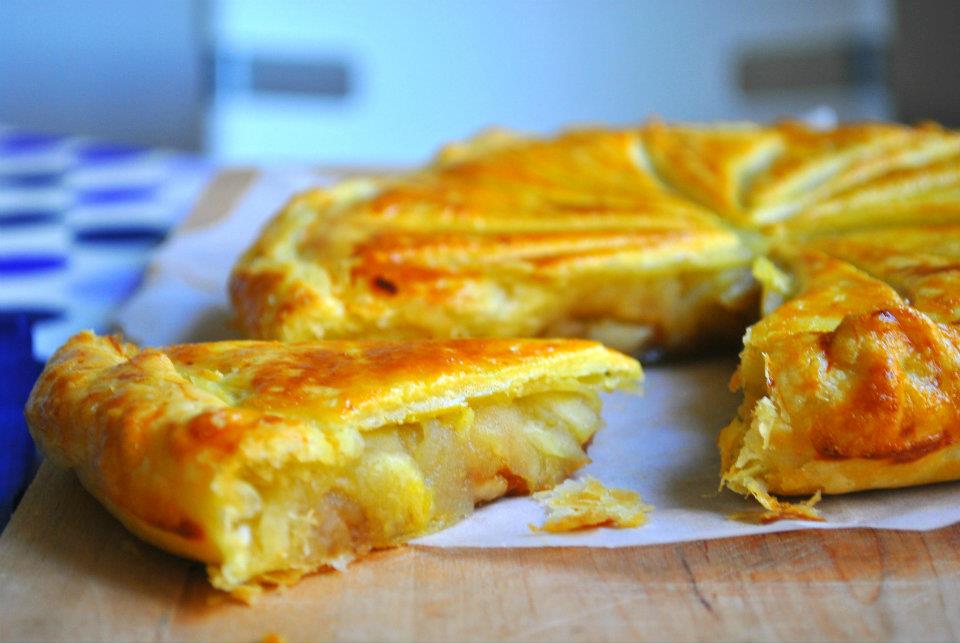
(69, 571)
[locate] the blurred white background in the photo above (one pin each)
(425, 72)
(384, 83)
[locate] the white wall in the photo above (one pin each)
(426, 71)
(431, 71)
(121, 70)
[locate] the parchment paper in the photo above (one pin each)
(661, 444)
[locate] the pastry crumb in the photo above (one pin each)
(273, 637)
(775, 510)
(585, 503)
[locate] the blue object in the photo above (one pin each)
(115, 194)
(77, 221)
(11, 219)
(19, 142)
(37, 179)
(18, 459)
(28, 263)
(119, 235)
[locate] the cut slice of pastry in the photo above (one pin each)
(267, 460)
(846, 387)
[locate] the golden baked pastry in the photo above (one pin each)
(659, 237)
(585, 503)
(854, 382)
(267, 460)
(847, 386)
(501, 237)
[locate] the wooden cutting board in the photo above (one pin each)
(69, 571)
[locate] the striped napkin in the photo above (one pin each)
(78, 218)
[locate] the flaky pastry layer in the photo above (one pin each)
(267, 460)
(847, 387)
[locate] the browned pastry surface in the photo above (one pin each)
(267, 460)
(662, 237)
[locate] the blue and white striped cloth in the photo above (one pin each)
(78, 219)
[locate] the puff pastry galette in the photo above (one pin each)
(665, 237)
(267, 460)
(853, 382)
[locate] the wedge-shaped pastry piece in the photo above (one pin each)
(921, 262)
(712, 165)
(846, 387)
(565, 237)
(816, 164)
(922, 195)
(268, 460)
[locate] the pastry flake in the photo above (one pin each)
(586, 502)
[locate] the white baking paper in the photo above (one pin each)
(660, 444)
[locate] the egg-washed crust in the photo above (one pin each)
(163, 437)
(645, 238)
(847, 386)
(513, 237)
(641, 238)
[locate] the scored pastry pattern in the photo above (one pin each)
(667, 238)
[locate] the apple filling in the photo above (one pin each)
(289, 518)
